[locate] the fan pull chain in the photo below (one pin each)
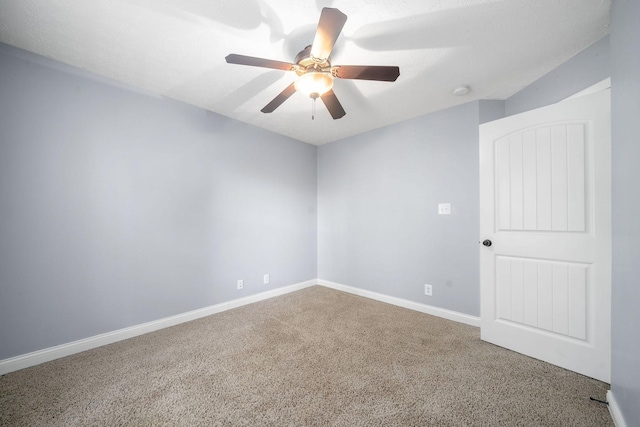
(313, 109)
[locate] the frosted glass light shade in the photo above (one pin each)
(314, 84)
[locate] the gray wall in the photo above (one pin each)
(378, 226)
(118, 208)
(625, 97)
(378, 222)
(583, 70)
(490, 110)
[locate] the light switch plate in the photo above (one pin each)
(444, 208)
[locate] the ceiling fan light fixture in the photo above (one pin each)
(314, 83)
(313, 67)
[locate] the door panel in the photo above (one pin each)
(541, 176)
(545, 204)
(543, 294)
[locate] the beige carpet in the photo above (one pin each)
(316, 357)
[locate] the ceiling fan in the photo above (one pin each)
(314, 69)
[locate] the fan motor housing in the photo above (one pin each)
(307, 62)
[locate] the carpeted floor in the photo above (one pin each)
(316, 357)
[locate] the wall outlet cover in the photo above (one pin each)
(428, 290)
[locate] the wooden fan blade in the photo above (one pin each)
(367, 72)
(333, 105)
(258, 62)
(329, 28)
(278, 100)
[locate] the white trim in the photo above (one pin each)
(614, 410)
(52, 353)
(67, 349)
(411, 305)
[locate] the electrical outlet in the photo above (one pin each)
(428, 290)
(240, 284)
(266, 279)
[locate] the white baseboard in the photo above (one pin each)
(411, 305)
(52, 353)
(614, 410)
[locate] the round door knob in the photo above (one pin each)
(487, 243)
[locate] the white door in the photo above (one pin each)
(545, 204)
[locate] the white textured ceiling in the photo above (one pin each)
(176, 48)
